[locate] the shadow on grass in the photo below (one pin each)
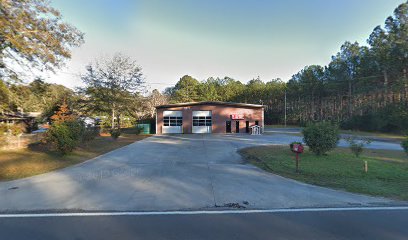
(39, 158)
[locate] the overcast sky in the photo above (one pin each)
(240, 39)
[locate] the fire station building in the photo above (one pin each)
(208, 117)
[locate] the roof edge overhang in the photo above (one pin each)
(231, 104)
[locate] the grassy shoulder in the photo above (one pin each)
(36, 160)
(387, 174)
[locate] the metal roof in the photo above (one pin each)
(232, 104)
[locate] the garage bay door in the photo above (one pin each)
(172, 122)
(202, 121)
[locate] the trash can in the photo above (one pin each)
(144, 128)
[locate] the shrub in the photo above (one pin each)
(138, 130)
(404, 145)
(115, 133)
(357, 145)
(65, 137)
(321, 137)
(16, 129)
(106, 125)
(77, 129)
(60, 138)
(90, 134)
(3, 129)
(13, 129)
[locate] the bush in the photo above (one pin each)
(66, 136)
(106, 125)
(3, 129)
(77, 129)
(16, 129)
(357, 145)
(13, 129)
(321, 137)
(115, 133)
(404, 145)
(60, 138)
(90, 134)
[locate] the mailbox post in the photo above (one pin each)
(298, 149)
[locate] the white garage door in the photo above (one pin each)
(202, 121)
(172, 122)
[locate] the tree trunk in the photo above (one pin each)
(350, 107)
(405, 78)
(2, 65)
(113, 119)
(118, 120)
(385, 87)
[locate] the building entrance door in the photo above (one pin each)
(237, 127)
(228, 127)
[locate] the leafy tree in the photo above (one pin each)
(63, 114)
(310, 80)
(113, 86)
(397, 28)
(209, 90)
(381, 51)
(4, 96)
(38, 96)
(150, 103)
(186, 90)
(38, 87)
(33, 34)
(231, 90)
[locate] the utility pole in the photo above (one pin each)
(285, 108)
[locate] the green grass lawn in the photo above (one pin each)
(387, 170)
(35, 160)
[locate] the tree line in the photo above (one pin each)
(363, 87)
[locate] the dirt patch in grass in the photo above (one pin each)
(36, 160)
(387, 170)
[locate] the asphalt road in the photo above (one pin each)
(378, 224)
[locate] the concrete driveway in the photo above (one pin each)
(178, 172)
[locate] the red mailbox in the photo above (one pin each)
(297, 148)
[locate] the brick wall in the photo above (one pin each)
(220, 114)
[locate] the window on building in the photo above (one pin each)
(172, 121)
(202, 121)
